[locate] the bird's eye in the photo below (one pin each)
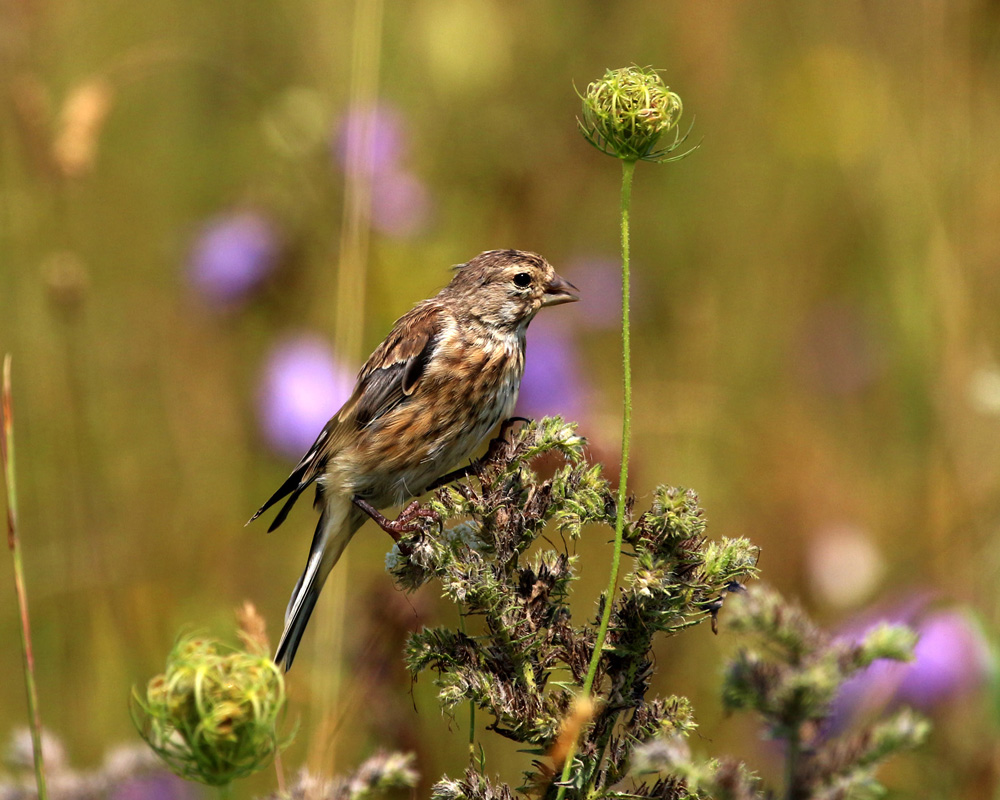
(522, 280)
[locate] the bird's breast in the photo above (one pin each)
(469, 386)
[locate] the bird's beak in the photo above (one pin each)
(559, 291)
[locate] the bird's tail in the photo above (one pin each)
(337, 524)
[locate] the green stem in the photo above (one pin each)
(792, 764)
(7, 453)
(472, 705)
(628, 168)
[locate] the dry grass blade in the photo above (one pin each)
(7, 453)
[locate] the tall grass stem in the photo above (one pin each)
(7, 452)
(332, 688)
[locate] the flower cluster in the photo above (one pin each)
(127, 772)
(372, 141)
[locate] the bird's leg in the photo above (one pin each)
(491, 452)
(403, 523)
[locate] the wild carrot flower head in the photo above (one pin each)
(627, 111)
(212, 715)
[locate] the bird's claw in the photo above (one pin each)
(404, 523)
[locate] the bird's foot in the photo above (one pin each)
(404, 523)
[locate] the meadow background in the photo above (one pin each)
(197, 251)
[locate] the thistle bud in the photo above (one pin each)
(212, 715)
(627, 111)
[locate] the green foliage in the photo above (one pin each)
(789, 674)
(526, 668)
(212, 715)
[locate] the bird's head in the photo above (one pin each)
(507, 287)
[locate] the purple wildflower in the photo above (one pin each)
(400, 204)
(952, 658)
(371, 140)
(233, 254)
(553, 379)
(159, 786)
(302, 386)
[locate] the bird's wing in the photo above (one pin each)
(389, 376)
(397, 365)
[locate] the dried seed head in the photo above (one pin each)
(252, 629)
(580, 715)
(82, 119)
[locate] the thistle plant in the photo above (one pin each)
(522, 659)
(504, 555)
(789, 673)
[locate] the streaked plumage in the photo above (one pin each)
(445, 376)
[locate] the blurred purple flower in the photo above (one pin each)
(161, 786)
(553, 380)
(400, 204)
(952, 658)
(232, 255)
(371, 140)
(302, 386)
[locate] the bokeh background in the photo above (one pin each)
(211, 212)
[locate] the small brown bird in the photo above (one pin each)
(445, 376)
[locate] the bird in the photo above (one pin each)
(446, 375)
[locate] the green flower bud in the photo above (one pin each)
(212, 715)
(627, 111)
(895, 642)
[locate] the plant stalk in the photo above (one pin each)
(628, 169)
(7, 453)
(472, 707)
(794, 745)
